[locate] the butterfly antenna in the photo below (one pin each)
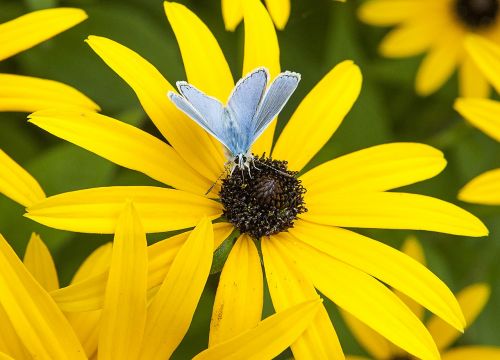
(277, 170)
(216, 181)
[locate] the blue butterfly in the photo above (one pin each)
(249, 110)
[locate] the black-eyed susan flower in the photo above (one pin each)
(317, 252)
(485, 115)
(437, 27)
(133, 323)
(26, 93)
(472, 300)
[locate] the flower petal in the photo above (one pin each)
(185, 136)
(205, 64)
(377, 168)
(319, 115)
(389, 12)
(122, 144)
(389, 210)
(171, 311)
(17, 184)
(279, 11)
(240, 293)
(384, 263)
(471, 81)
(32, 312)
(472, 300)
(472, 352)
(369, 300)
(232, 13)
(31, 29)
(40, 264)
(261, 49)
(269, 338)
(96, 210)
(288, 286)
(486, 55)
(28, 94)
(10, 342)
(483, 189)
(481, 113)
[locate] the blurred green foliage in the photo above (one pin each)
(319, 34)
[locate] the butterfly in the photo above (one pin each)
(249, 111)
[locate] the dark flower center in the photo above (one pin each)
(264, 201)
(477, 13)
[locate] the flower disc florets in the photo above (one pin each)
(477, 13)
(264, 200)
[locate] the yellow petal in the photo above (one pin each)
(185, 136)
(389, 12)
(171, 311)
(122, 144)
(4, 356)
(472, 300)
(32, 312)
(390, 210)
(31, 29)
(88, 295)
(232, 13)
(377, 168)
(481, 113)
(96, 210)
(279, 11)
(10, 342)
(319, 115)
(205, 64)
(269, 338)
(124, 313)
(384, 263)
(472, 352)
(288, 286)
(94, 264)
(484, 189)
(486, 55)
(240, 293)
(355, 357)
(40, 264)
(376, 345)
(17, 184)
(368, 300)
(261, 49)
(472, 83)
(28, 94)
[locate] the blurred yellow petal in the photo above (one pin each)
(376, 345)
(483, 189)
(288, 286)
(33, 314)
(10, 342)
(389, 12)
(472, 352)
(124, 313)
(355, 357)
(240, 293)
(319, 115)
(472, 83)
(122, 144)
(88, 295)
(96, 210)
(279, 11)
(364, 297)
(384, 263)
(232, 13)
(377, 168)
(31, 29)
(472, 300)
(40, 264)
(269, 338)
(4, 356)
(171, 311)
(261, 49)
(185, 136)
(205, 64)
(481, 113)
(28, 94)
(17, 184)
(486, 55)
(390, 210)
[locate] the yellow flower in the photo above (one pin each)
(472, 300)
(133, 323)
(439, 28)
(350, 191)
(28, 94)
(485, 115)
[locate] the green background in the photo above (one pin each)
(319, 34)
